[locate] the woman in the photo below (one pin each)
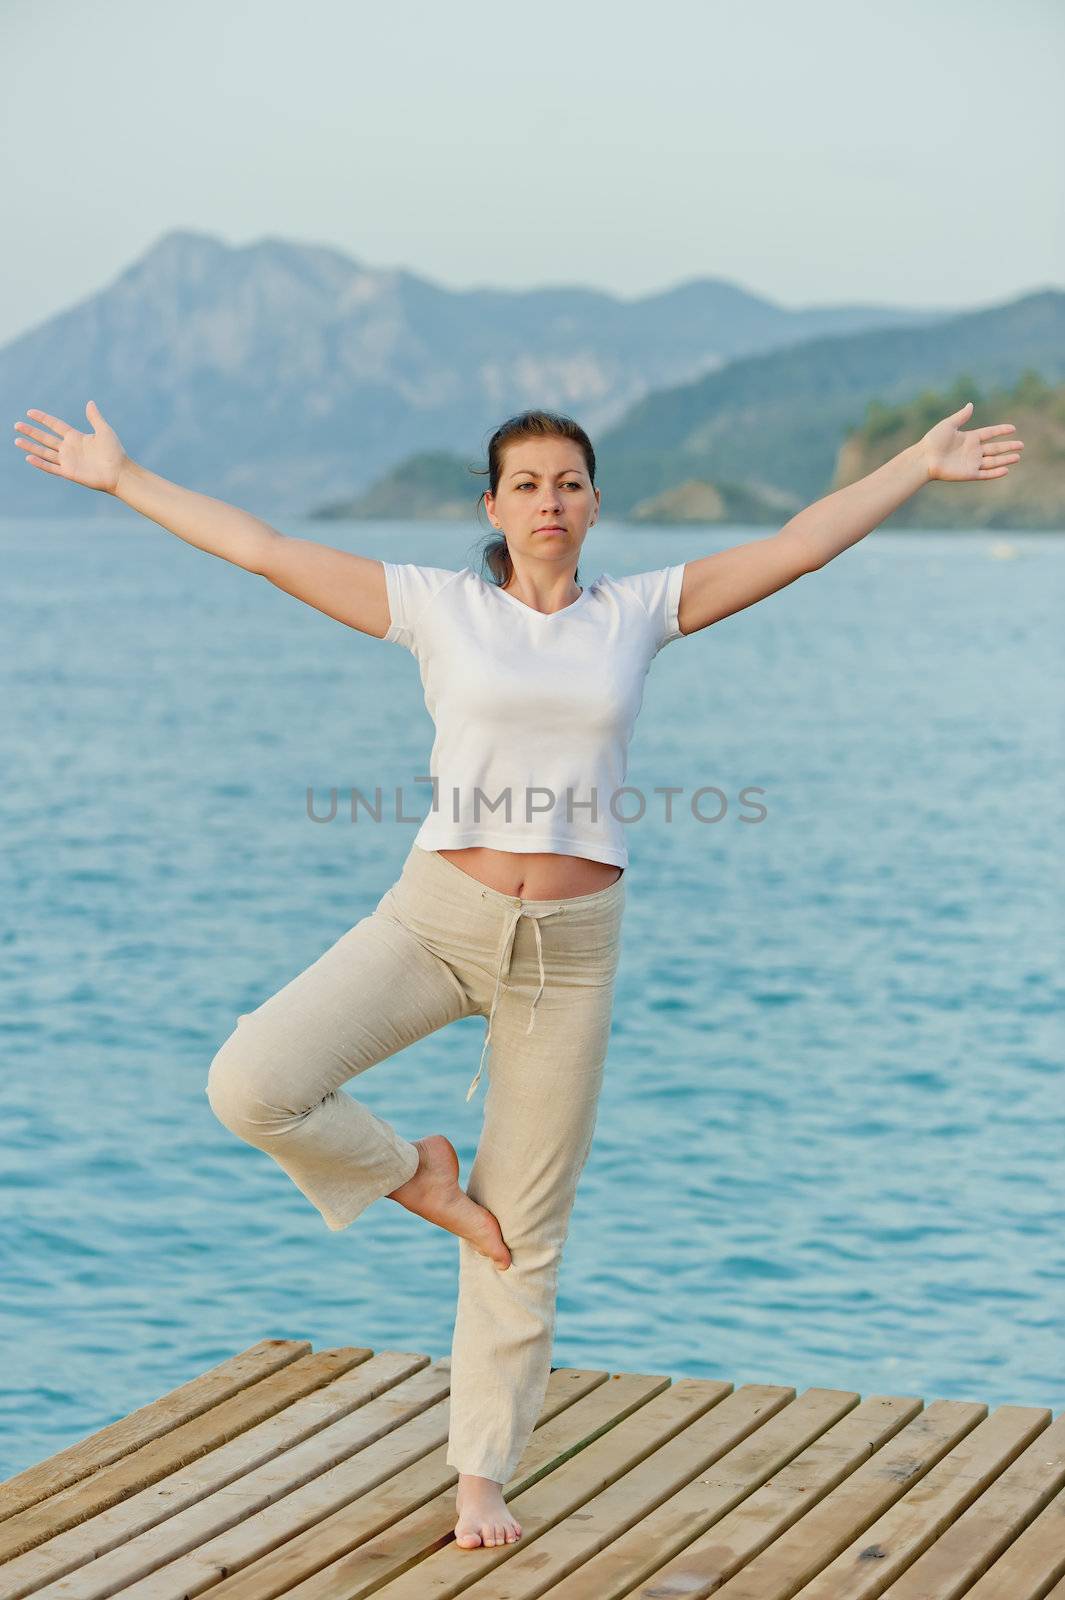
(510, 901)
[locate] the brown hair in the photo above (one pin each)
(526, 425)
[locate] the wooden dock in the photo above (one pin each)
(321, 1475)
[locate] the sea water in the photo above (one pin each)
(829, 1145)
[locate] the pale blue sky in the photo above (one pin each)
(907, 153)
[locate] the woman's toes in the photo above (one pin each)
(475, 1525)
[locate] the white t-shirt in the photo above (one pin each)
(533, 713)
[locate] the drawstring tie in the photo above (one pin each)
(519, 911)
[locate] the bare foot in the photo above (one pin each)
(434, 1193)
(483, 1517)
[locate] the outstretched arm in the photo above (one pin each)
(349, 587)
(715, 586)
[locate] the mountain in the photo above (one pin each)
(1031, 495)
(780, 418)
(764, 436)
(429, 486)
(433, 486)
(284, 376)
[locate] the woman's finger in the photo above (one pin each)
(38, 448)
(996, 428)
(36, 433)
(44, 466)
(55, 423)
(1006, 444)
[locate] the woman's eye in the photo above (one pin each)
(572, 484)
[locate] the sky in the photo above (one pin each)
(825, 153)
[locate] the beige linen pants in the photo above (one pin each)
(438, 946)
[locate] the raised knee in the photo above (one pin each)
(232, 1089)
(222, 1087)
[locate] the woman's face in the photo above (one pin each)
(545, 502)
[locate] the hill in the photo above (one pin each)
(781, 419)
(282, 376)
(764, 436)
(1032, 495)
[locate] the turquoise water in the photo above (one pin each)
(829, 1145)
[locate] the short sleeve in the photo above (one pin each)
(411, 589)
(659, 594)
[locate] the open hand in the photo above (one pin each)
(93, 459)
(957, 457)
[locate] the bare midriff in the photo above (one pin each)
(534, 875)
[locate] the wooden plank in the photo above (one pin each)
(133, 1537)
(544, 1559)
(347, 1501)
(129, 1433)
(542, 1507)
(758, 1488)
(884, 1549)
(969, 1547)
(178, 1445)
(281, 1473)
(814, 1538)
(1034, 1560)
(403, 1516)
